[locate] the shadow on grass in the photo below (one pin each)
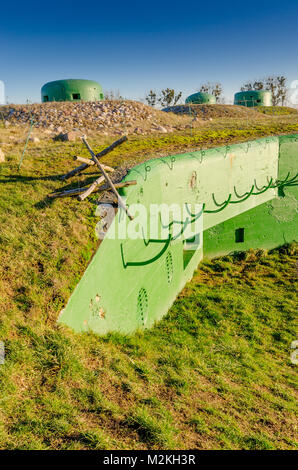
(88, 179)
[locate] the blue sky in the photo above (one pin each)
(134, 46)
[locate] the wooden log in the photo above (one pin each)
(91, 188)
(106, 187)
(108, 180)
(75, 171)
(69, 192)
(84, 160)
(83, 167)
(91, 162)
(76, 191)
(111, 147)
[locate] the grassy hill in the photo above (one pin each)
(277, 110)
(227, 111)
(214, 111)
(214, 373)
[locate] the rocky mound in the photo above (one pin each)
(105, 116)
(207, 111)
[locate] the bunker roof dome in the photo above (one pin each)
(71, 90)
(201, 98)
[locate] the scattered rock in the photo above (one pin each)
(33, 139)
(2, 156)
(161, 129)
(65, 117)
(67, 137)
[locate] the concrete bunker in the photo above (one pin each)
(71, 90)
(253, 98)
(200, 98)
(234, 198)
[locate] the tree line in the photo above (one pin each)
(276, 84)
(169, 97)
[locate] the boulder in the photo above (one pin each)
(33, 139)
(67, 137)
(161, 129)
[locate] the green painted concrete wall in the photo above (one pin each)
(268, 225)
(120, 290)
(71, 90)
(201, 98)
(246, 198)
(253, 98)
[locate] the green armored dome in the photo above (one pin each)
(201, 98)
(72, 90)
(253, 98)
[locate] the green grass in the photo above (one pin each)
(215, 373)
(277, 110)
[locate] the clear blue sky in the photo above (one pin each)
(134, 46)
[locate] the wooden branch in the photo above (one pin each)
(83, 167)
(91, 188)
(91, 162)
(69, 192)
(111, 147)
(76, 191)
(118, 185)
(75, 171)
(84, 160)
(108, 180)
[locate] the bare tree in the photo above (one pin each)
(151, 98)
(112, 95)
(177, 97)
(247, 87)
(276, 84)
(256, 85)
(169, 97)
(212, 88)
